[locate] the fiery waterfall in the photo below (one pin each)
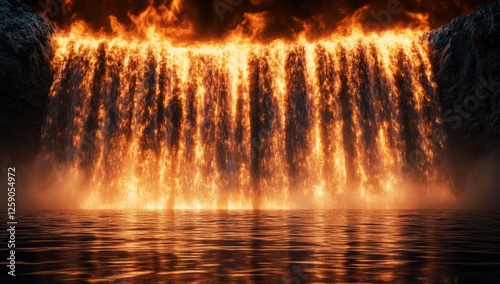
(350, 119)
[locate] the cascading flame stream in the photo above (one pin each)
(347, 121)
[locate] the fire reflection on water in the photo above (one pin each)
(337, 246)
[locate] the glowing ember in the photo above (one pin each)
(346, 121)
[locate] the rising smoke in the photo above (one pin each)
(263, 19)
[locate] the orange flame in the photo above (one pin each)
(179, 124)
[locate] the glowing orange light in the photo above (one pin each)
(171, 123)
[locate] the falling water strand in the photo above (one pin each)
(282, 125)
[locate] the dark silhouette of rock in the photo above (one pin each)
(25, 79)
(466, 61)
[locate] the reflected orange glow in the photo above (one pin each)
(346, 121)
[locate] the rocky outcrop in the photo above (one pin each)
(25, 78)
(466, 61)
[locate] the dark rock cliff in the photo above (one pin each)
(466, 60)
(25, 79)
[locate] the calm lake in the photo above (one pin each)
(332, 246)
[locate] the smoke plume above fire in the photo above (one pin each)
(255, 19)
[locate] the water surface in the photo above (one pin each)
(257, 247)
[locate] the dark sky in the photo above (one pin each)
(284, 18)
